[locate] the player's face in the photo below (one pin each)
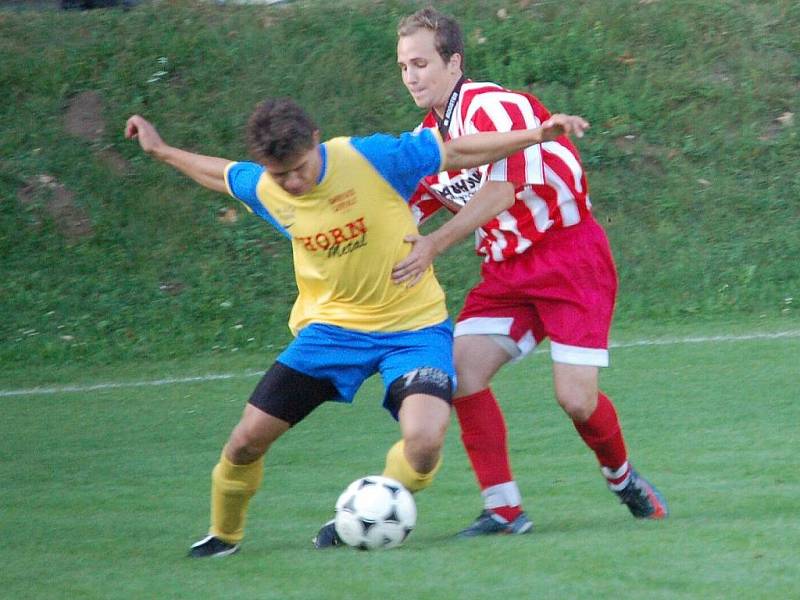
(428, 78)
(298, 175)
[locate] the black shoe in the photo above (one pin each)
(490, 523)
(212, 546)
(327, 536)
(643, 499)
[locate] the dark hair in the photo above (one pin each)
(448, 37)
(279, 130)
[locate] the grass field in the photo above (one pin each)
(106, 488)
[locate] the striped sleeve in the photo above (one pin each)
(423, 205)
(506, 111)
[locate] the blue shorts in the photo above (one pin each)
(347, 358)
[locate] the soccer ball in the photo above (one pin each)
(375, 512)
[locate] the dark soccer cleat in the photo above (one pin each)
(642, 498)
(327, 536)
(211, 546)
(490, 523)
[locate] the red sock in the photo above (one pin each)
(602, 433)
(483, 433)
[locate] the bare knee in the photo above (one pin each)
(579, 406)
(423, 450)
(576, 390)
(423, 422)
(253, 435)
(243, 449)
(424, 439)
(477, 358)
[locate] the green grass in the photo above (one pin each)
(106, 489)
(691, 174)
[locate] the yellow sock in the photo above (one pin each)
(232, 486)
(397, 467)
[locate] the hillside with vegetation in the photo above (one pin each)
(107, 255)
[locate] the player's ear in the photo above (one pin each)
(456, 62)
(316, 136)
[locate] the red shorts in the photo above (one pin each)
(564, 287)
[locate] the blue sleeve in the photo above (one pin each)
(242, 180)
(402, 160)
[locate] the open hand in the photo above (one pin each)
(411, 269)
(560, 124)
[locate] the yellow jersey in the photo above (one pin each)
(348, 232)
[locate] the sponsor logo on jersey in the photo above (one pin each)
(347, 248)
(343, 201)
(338, 240)
(460, 188)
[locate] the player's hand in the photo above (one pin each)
(560, 124)
(140, 129)
(411, 269)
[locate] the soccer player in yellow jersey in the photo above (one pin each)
(342, 203)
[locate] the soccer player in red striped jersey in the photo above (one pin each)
(547, 271)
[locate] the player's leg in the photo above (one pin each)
(416, 458)
(283, 397)
(421, 400)
(577, 263)
(419, 374)
(236, 478)
(595, 418)
(496, 325)
(484, 435)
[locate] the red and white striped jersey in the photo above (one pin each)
(550, 185)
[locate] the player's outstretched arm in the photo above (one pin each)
(483, 148)
(208, 171)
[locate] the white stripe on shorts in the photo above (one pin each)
(561, 353)
(484, 326)
(498, 328)
(575, 355)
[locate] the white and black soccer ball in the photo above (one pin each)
(375, 512)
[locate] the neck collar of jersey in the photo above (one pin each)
(323, 156)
